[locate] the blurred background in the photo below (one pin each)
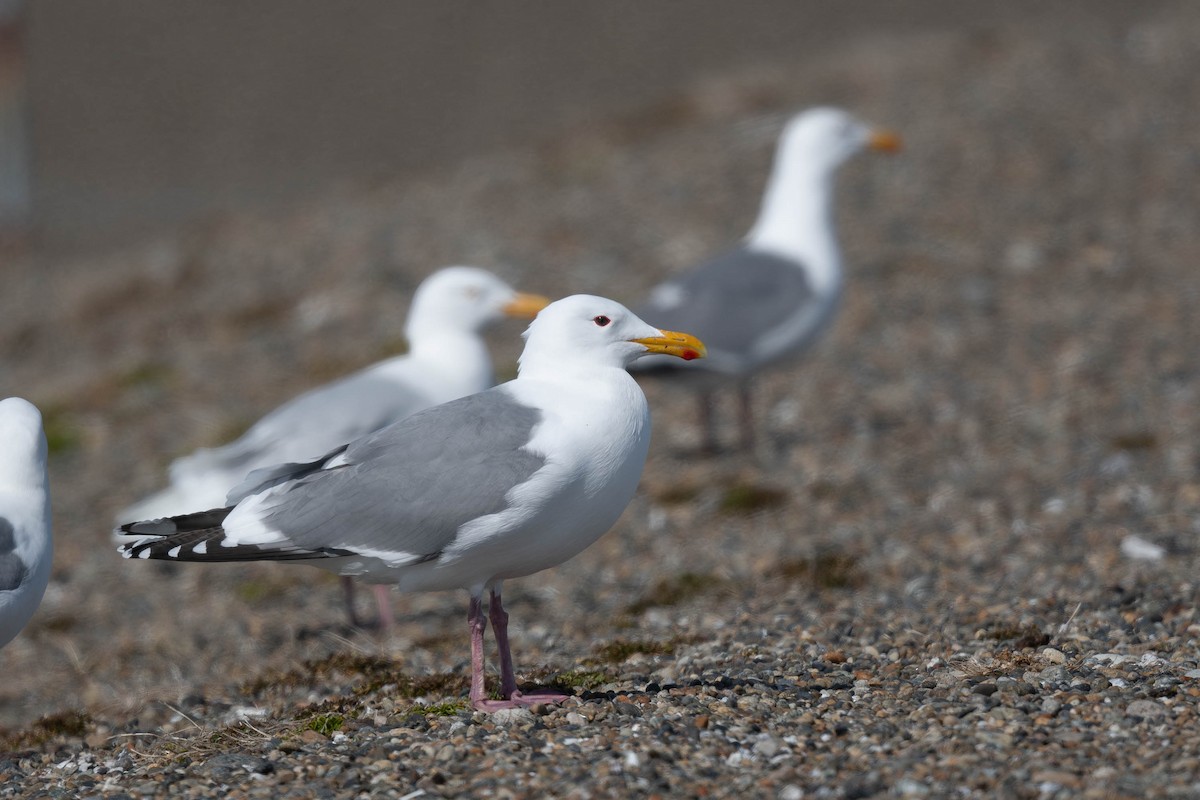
(207, 207)
(132, 117)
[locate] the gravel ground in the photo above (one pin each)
(962, 560)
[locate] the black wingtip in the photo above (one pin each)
(183, 523)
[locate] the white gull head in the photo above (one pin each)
(464, 300)
(587, 332)
(796, 217)
(24, 461)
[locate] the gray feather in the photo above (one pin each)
(12, 568)
(411, 486)
(315, 422)
(8, 539)
(266, 477)
(407, 488)
(734, 300)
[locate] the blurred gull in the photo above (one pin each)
(25, 547)
(767, 300)
(447, 359)
(498, 485)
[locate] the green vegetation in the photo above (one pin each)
(326, 724)
(46, 729)
(672, 591)
(676, 494)
(580, 679)
(619, 650)
(373, 668)
(447, 709)
(148, 374)
(825, 571)
(746, 498)
(1135, 440)
(258, 592)
(62, 429)
(1022, 636)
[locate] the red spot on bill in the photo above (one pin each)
(688, 355)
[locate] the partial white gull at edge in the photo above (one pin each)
(26, 548)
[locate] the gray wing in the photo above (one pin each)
(313, 423)
(411, 486)
(732, 301)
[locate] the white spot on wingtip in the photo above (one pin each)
(144, 554)
(201, 548)
(174, 551)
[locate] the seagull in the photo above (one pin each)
(25, 547)
(468, 494)
(448, 359)
(766, 301)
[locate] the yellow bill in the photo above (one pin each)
(672, 343)
(885, 141)
(526, 306)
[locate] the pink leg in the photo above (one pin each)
(477, 623)
(508, 679)
(348, 597)
(383, 599)
(499, 618)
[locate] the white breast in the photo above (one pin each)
(594, 437)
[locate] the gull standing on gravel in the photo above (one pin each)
(447, 359)
(25, 547)
(767, 300)
(498, 485)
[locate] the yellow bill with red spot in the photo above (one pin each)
(526, 306)
(673, 343)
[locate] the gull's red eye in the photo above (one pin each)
(601, 320)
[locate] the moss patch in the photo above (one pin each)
(747, 498)
(373, 669)
(326, 724)
(1135, 440)
(1022, 637)
(580, 679)
(228, 430)
(675, 590)
(825, 571)
(62, 429)
(449, 709)
(619, 650)
(675, 494)
(147, 375)
(396, 346)
(264, 590)
(47, 729)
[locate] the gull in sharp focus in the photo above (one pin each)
(468, 494)
(447, 359)
(25, 547)
(767, 300)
